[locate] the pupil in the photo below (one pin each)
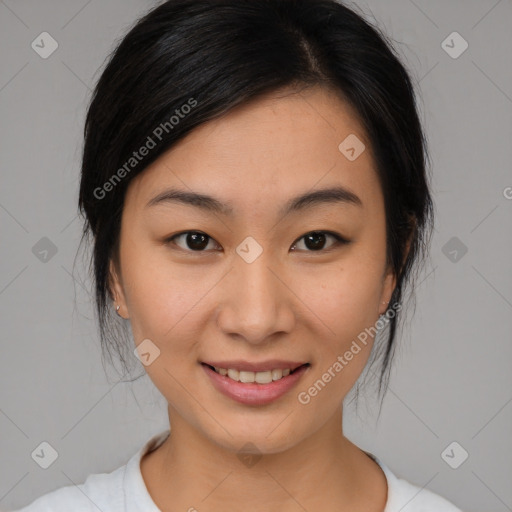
(197, 241)
(317, 239)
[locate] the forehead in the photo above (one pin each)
(279, 145)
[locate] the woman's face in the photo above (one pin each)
(251, 284)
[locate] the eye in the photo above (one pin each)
(196, 241)
(315, 240)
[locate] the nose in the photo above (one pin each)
(256, 302)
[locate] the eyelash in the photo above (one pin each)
(339, 240)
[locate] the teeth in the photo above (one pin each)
(260, 377)
(233, 374)
(277, 374)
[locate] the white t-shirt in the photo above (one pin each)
(124, 490)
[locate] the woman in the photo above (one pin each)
(254, 180)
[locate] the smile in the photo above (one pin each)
(254, 387)
(258, 377)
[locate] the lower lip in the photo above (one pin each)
(253, 393)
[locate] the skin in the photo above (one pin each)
(303, 305)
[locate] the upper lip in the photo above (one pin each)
(262, 366)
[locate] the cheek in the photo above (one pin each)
(162, 299)
(165, 308)
(345, 298)
(344, 302)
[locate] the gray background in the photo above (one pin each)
(452, 380)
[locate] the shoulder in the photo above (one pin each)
(406, 497)
(121, 488)
(101, 491)
(411, 498)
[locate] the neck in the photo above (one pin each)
(189, 471)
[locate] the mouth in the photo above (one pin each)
(255, 388)
(259, 377)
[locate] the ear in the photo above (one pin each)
(116, 290)
(387, 290)
(390, 277)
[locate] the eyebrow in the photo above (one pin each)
(211, 204)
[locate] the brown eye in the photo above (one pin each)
(315, 240)
(194, 241)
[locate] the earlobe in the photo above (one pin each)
(387, 290)
(116, 291)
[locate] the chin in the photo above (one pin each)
(267, 436)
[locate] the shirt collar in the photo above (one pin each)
(136, 495)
